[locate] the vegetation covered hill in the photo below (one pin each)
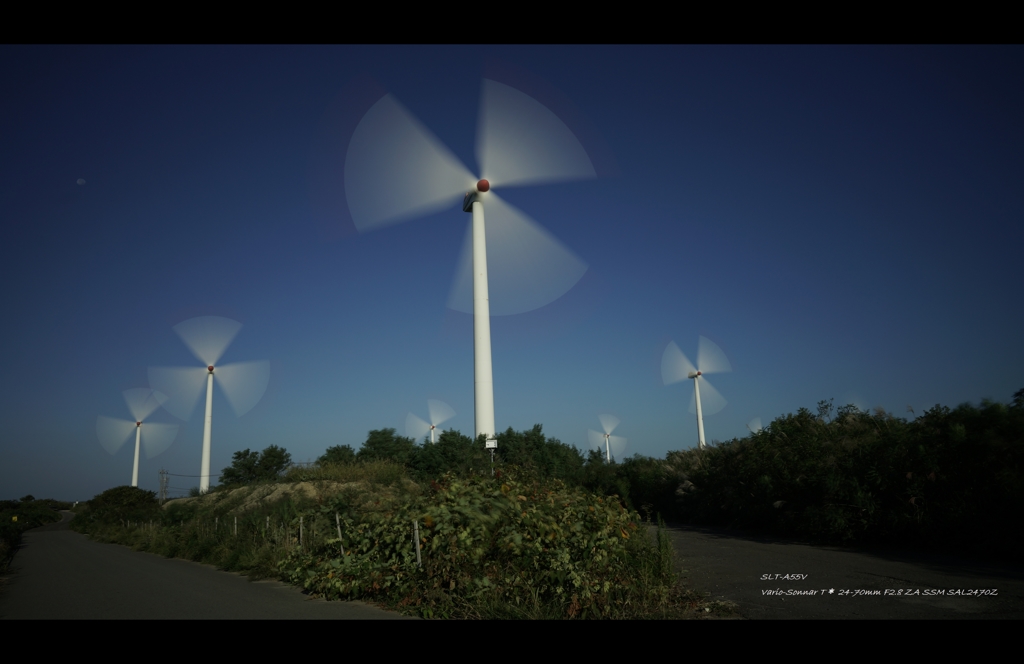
(516, 544)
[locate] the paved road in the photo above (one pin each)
(731, 566)
(61, 574)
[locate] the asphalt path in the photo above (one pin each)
(837, 583)
(60, 574)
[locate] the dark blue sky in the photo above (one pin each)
(845, 222)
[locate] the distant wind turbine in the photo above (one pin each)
(439, 412)
(114, 433)
(243, 383)
(710, 359)
(613, 445)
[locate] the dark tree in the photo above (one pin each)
(248, 466)
(384, 444)
(273, 461)
(337, 454)
(242, 469)
(453, 452)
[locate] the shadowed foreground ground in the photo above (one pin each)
(731, 565)
(60, 574)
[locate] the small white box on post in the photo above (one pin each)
(491, 444)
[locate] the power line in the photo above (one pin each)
(212, 474)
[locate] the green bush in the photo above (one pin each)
(948, 479)
(517, 544)
(120, 505)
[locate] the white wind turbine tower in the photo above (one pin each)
(439, 412)
(710, 359)
(114, 433)
(243, 383)
(396, 170)
(613, 445)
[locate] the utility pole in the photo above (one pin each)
(163, 486)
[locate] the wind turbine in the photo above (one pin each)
(439, 411)
(396, 170)
(243, 383)
(613, 445)
(114, 433)
(710, 359)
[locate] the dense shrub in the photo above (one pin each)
(949, 478)
(512, 545)
(122, 505)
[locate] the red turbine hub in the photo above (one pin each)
(138, 424)
(210, 368)
(483, 185)
(698, 373)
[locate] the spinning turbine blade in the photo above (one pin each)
(520, 141)
(608, 422)
(710, 400)
(396, 169)
(439, 411)
(675, 366)
(208, 336)
(527, 267)
(113, 433)
(243, 383)
(754, 425)
(596, 439)
(142, 402)
(618, 446)
(182, 385)
(157, 437)
(710, 358)
(416, 428)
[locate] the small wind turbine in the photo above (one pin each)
(439, 411)
(613, 445)
(243, 383)
(710, 359)
(396, 170)
(114, 433)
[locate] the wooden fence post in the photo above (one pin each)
(416, 538)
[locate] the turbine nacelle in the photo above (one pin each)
(482, 187)
(694, 374)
